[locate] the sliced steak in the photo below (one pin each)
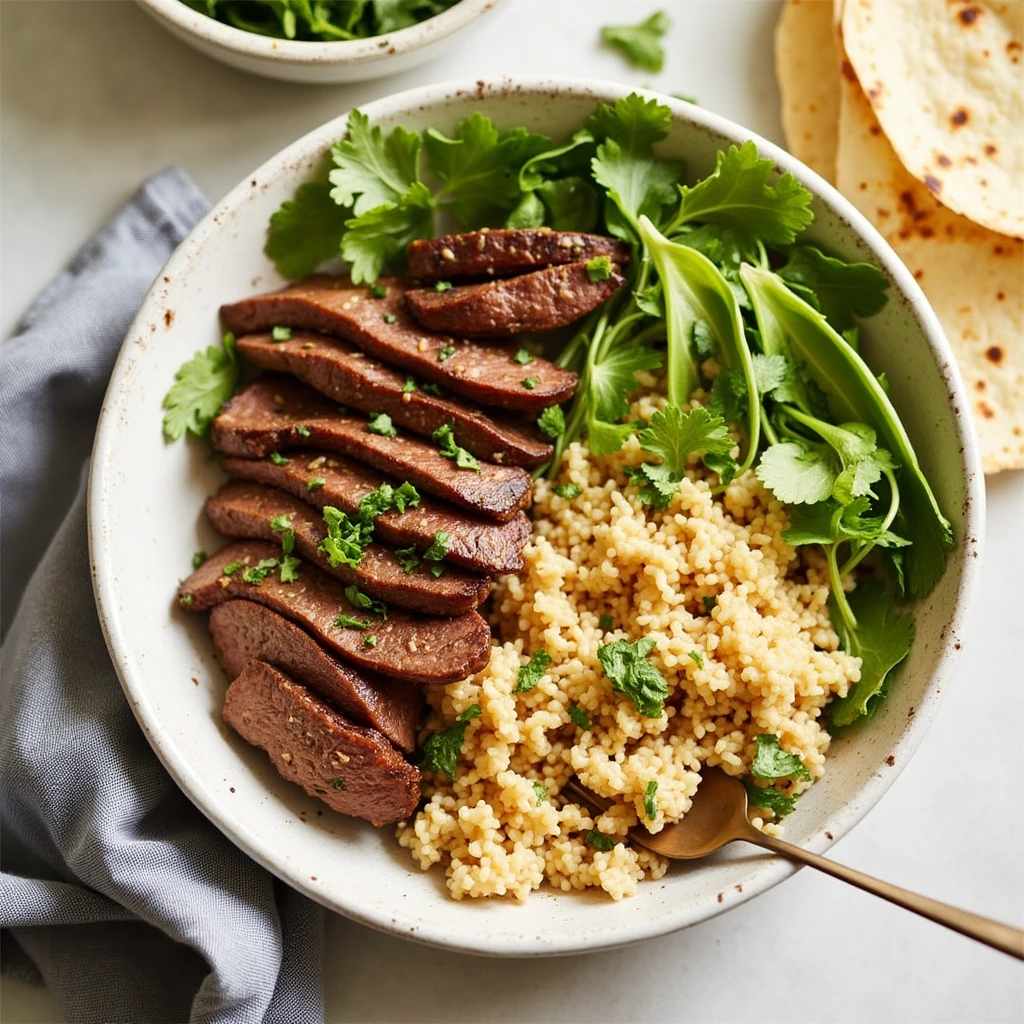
(474, 542)
(383, 328)
(343, 372)
(541, 301)
(243, 630)
(504, 252)
(276, 413)
(352, 769)
(246, 510)
(415, 648)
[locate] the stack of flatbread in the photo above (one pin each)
(914, 109)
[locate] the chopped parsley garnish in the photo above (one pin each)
(407, 558)
(530, 382)
(568, 491)
(385, 498)
(599, 269)
(201, 386)
(283, 525)
(338, 783)
(578, 716)
(231, 568)
(260, 571)
(302, 430)
(290, 569)
(599, 841)
(346, 538)
(438, 547)
(346, 621)
(187, 600)
(640, 44)
(315, 483)
(606, 622)
(697, 658)
(772, 762)
(378, 291)
(278, 459)
(432, 389)
(540, 793)
(364, 602)
(389, 318)
(552, 421)
(632, 674)
(381, 424)
(409, 385)
(442, 286)
(198, 558)
(530, 674)
(281, 334)
(369, 640)
(522, 357)
(445, 437)
(708, 601)
(445, 352)
(651, 800)
(770, 797)
(441, 751)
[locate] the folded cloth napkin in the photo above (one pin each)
(114, 889)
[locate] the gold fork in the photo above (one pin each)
(719, 816)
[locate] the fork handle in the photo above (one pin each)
(999, 936)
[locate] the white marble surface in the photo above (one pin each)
(95, 97)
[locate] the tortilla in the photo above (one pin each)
(973, 277)
(946, 81)
(807, 70)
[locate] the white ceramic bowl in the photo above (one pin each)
(316, 62)
(146, 520)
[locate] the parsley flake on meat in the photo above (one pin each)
(445, 437)
(632, 674)
(640, 44)
(201, 386)
(445, 352)
(338, 783)
(380, 423)
(315, 483)
(364, 602)
(441, 751)
(442, 286)
(408, 559)
(438, 547)
(772, 762)
(260, 571)
(522, 357)
(231, 568)
(346, 621)
(281, 334)
(378, 291)
(390, 318)
(531, 673)
(599, 269)
(301, 429)
(198, 558)
(187, 600)
(345, 538)
(651, 800)
(290, 569)
(552, 421)
(369, 640)
(409, 386)
(278, 459)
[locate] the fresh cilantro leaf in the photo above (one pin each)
(599, 841)
(369, 640)
(552, 421)
(445, 352)
(407, 558)
(640, 44)
(278, 459)
(378, 291)
(708, 601)
(697, 658)
(364, 602)
(529, 212)
(522, 357)
(371, 169)
(530, 674)
(657, 485)
(599, 269)
(441, 751)
(774, 376)
(674, 435)
(260, 571)
(633, 122)
(651, 800)
(346, 621)
(772, 762)
(231, 568)
(198, 558)
(613, 379)
(201, 386)
(315, 483)
(704, 340)
(740, 195)
(380, 423)
(290, 569)
(798, 473)
(445, 437)
(651, 300)
(728, 397)
(540, 793)
(572, 203)
(769, 797)
(345, 539)
(384, 499)
(631, 673)
(842, 291)
(409, 386)
(281, 334)
(606, 622)
(606, 438)
(438, 547)
(530, 382)
(390, 318)
(578, 716)
(568, 491)
(302, 430)
(638, 185)
(305, 231)
(718, 244)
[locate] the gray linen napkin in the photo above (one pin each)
(115, 890)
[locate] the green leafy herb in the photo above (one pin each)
(260, 571)
(409, 386)
(407, 558)
(201, 386)
(385, 498)
(656, 485)
(530, 383)
(606, 622)
(522, 357)
(442, 286)
(568, 491)
(531, 673)
(675, 435)
(390, 318)
(278, 459)
(187, 600)
(378, 291)
(540, 793)
(281, 334)
(301, 429)
(445, 352)
(338, 783)
(578, 716)
(599, 269)
(708, 601)
(315, 483)
(772, 762)
(231, 568)
(651, 800)
(198, 558)
(432, 389)
(306, 231)
(441, 751)
(364, 602)
(552, 421)
(697, 658)
(841, 291)
(769, 797)
(346, 621)
(290, 568)
(599, 841)
(640, 44)
(445, 437)
(438, 547)
(797, 472)
(369, 640)
(632, 674)
(380, 423)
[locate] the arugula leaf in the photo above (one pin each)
(770, 797)
(441, 751)
(798, 473)
(843, 291)
(626, 665)
(445, 437)
(772, 762)
(380, 423)
(651, 800)
(364, 602)
(552, 421)
(640, 44)
(578, 716)
(530, 674)
(201, 386)
(381, 235)
(674, 435)
(305, 231)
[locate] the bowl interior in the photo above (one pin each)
(146, 521)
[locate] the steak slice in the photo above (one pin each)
(504, 252)
(541, 301)
(352, 769)
(276, 413)
(333, 305)
(243, 630)
(411, 647)
(345, 374)
(246, 510)
(474, 542)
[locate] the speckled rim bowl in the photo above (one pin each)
(318, 62)
(146, 520)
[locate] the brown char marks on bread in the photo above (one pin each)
(246, 509)
(415, 648)
(506, 251)
(474, 542)
(540, 301)
(352, 769)
(347, 375)
(332, 305)
(277, 412)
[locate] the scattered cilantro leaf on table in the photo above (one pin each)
(640, 44)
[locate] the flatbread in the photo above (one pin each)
(946, 81)
(973, 277)
(807, 70)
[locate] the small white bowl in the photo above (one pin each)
(146, 519)
(318, 63)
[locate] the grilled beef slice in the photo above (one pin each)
(243, 630)
(474, 542)
(411, 647)
(276, 413)
(504, 252)
(347, 375)
(352, 769)
(540, 301)
(332, 305)
(246, 510)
